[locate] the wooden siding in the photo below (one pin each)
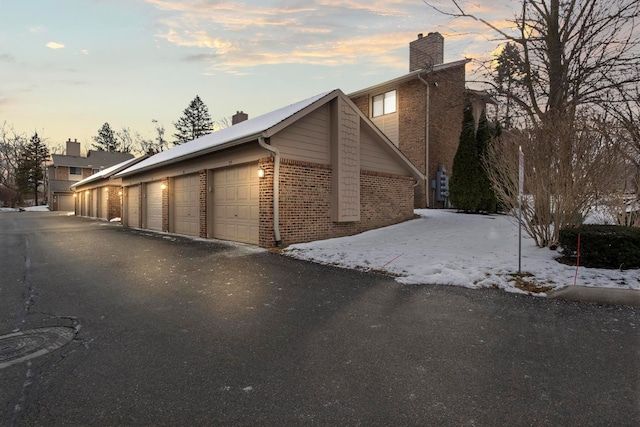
(388, 124)
(345, 162)
(374, 157)
(307, 139)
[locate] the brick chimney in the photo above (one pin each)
(73, 148)
(238, 117)
(425, 52)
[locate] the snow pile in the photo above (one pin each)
(450, 248)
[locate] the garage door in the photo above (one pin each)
(85, 203)
(185, 205)
(94, 203)
(66, 202)
(104, 203)
(236, 203)
(133, 206)
(154, 206)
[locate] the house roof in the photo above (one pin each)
(58, 186)
(250, 130)
(106, 173)
(95, 159)
(408, 77)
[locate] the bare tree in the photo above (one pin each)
(577, 57)
(12, 145)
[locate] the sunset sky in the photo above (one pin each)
(68, 66)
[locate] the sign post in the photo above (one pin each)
(520, 193)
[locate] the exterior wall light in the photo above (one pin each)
(119, 193)
(260, 173)
(106, 189)
(75, 195)
(163, 186)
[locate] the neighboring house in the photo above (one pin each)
(100, 195)
(65, 170)
(313, 170)
(421, 112)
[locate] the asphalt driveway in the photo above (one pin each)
(172, 331)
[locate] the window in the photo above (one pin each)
(384, 103)
(75, 171)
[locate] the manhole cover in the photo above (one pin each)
(20, 346)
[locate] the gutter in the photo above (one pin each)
(276, 188)
(426, 138)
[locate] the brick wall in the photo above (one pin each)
(362, 102)
(114, 204)
(445, 122)
(447, 106)
(305, 203)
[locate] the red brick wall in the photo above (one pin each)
(305, 203)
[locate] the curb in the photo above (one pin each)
(607, 296)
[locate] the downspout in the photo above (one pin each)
(426, 138)
(276, 188)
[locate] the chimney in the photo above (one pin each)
(238, 117)
(425, 52)
(73, 148)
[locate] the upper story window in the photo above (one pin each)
(75, 171)
(384, 103)
(93, 171)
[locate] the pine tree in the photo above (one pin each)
(29, 173)
(194, 123)
(488, 199)
(464, 186)
(106, 139)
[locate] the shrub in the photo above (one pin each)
(603, 246)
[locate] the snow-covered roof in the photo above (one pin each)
(408, 77)
(95, 159)
(240, 133)
(106, 173)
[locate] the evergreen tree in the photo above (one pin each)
(508, 78)
(488, 199)
(194, 123)
(464, 188)
(106, 139)
(29, 173)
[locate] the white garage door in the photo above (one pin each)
(154, 206)
(104, 203)
(133, 206)
(185, 205)
(236, 205)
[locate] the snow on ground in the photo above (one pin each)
(450, 248)
(28, 209)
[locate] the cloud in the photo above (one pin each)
(5, 57)
(240, 36)
(55, 45)
(84, 51)
(37, 29)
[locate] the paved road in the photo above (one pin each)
(171, 331)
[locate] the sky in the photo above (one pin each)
(69, 66)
